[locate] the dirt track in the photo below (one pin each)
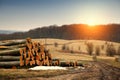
(95, 71)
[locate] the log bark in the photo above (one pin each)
(79, 64)
(3, 47)
(14, 52)
(13, 43)
(9, 64)
(64, 63)
(9, 58)
(17, 46)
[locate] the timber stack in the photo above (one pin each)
(9, 53)
(28, 53)
(34, 54)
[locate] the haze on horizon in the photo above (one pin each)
(22, 15)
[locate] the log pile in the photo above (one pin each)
(28, 53)
(34, 54)
(9, 53)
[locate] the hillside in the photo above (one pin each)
(108, 32)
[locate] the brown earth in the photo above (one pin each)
(92, 71)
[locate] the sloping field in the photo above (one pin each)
(77, 45)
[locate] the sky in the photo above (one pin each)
(22, 15)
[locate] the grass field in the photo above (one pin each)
(79, 54)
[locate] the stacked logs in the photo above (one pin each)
(34, 54)
(28, 53)
(9, 53)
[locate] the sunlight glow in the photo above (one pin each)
(91, 23)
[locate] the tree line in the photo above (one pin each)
(108, 32)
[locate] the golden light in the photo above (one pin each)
(91, 23)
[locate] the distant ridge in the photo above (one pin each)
(6, 31)
(110, 32)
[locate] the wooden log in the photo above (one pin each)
(33, 52)
(79, 64)
(50, 62)
(55, 62)
(17, 46)
(28, 40)
(72, 64)
(21, 52)
(41, 63)
(43, 55)
(27, 61)
(21, 58)
(37, 62)
(25, 55)
(37, 57)
(50, 57)
(29, 45)
(21, 63)
(64, 64)
(9, 64)
(14, 67)
(3, 47)
(13, 43)
(31, 63)
(9, 58)
(14, 52)
(75, 64)
(45, 62)
(35, 45)
(12, 47)
(29, 53)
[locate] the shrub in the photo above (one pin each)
(56, 44)
(64, 47)
(110, 50)
(89, 48)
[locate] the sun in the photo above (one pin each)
(91, 23)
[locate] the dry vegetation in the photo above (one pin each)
(106, 68)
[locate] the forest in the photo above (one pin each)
(109, 32)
